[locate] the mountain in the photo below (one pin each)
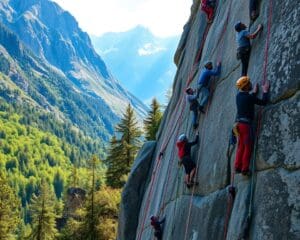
(53, 35)
(140, 60)
(225, 205)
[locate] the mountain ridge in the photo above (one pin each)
(140, 60)
(54, 35)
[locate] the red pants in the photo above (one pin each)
(245, 143)
(208, 10)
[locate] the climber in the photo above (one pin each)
(208, 6)
(243, 37)
(194, 105)
(184, 153)
(245, 102)
(204, 81)
(156, 224)
(253, 9)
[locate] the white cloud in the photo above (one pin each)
(109, 50)
(162, 17)
(150, 49)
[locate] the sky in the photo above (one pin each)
(163, 17)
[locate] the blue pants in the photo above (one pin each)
(204, 95)
(195, 116)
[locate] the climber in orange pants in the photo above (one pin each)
(245, 102)
(208, 6)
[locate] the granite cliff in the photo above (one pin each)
(156, 184)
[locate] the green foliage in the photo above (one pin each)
(152, 122)
(43, 214)
(122, 152)
(107, 209)
(104, 223)
(58, 183)
(114, 163)
(9, 210)
(88, 230)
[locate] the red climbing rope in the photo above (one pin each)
(190, 79)
(202, 134)
(259, 119)
(170, 133)
(264, 81)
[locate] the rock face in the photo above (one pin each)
(272, 194)
(133, 192)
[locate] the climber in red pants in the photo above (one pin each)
(208, 6)
(245, 102)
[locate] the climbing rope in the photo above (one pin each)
(231, 188)
(202, 134)
(259, 119)
(171, 132)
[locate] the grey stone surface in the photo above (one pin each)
(275, 212)
(279, 142)
(133, 192)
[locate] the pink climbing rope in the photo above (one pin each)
(202, 134)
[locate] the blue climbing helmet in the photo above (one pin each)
(207, 64)
(182, 138)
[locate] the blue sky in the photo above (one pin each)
(162, 17)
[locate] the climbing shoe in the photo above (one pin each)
(254, 15)
(246, 173)
(194, 183)
(237, 171)
(195, 126)
(189, 185)
(201, 108)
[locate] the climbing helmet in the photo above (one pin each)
(182, 138)
(207, 64)
(238, 26)
(242, 82)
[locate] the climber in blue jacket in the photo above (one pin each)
(204, 81)
(243, 37)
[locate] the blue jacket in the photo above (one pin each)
(206, 74)
(242, 40)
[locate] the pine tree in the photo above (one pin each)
(89, 230)
(9, 210)
(130, 134)
(123, 151)
(113, 162)
(43, 214)
(58, 183)
(152, 122)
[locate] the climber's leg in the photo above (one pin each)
(245, 56)
(238, 163)
(248, 144)
(253, 9)
(195, 118)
